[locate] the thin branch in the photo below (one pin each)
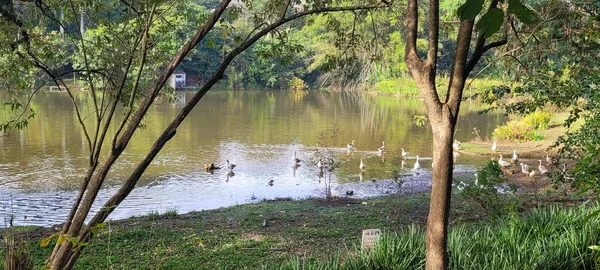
(170, 131)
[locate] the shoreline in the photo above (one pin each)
(264, 233)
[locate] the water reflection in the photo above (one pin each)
(40, 167)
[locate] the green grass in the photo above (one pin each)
(406, 86)
(551, 238)
(235, 238)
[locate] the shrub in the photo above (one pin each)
(551, 238)
(538, 120)
(524, 130)
(296, 84)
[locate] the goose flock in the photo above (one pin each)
(321, 164)
(525, 168)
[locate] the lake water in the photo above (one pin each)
(41, 167)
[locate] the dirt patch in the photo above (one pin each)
(253, 236)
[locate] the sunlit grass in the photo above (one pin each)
(551, 238)
(406, 86)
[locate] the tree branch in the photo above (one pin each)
(458, 71)
(415, 65)
(434, 27)
(480, 47)
(170, 131)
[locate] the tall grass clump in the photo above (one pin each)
(550, 238)
(405, 87)
(525, 129)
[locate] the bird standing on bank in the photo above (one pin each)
(542, 168)
(503, 163)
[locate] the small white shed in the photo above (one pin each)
(177, 80)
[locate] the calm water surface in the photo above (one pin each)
(42, 166)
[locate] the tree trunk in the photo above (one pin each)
(439, 207)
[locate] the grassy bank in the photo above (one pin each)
(406, 86)
(525, 149)
(551, 238)
(271, 234)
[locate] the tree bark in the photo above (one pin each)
(439, 207)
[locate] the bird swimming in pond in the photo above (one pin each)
(524, 168)
(542, 168)
(456, 145)
(349, 192)
(494, 146)
(211, 166)
(362, 165)
(515, 159)
(270, 182)
(404, 153)
(296, 160)
(230, 166)
(320, 165)
(503, 163)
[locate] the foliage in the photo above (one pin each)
(555, 238)
(525, 129)
(296, 84)
(485, 190)
(556, 64)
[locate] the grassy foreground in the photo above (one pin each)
(324, 234)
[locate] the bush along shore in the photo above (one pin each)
(325, 234)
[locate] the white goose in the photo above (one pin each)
(350, 146)
(503, 163)
(404, 153)
(362, 165)
(456, 145)
(417, 165)
(524, 168)
(382, 148)
(515, 159)
(542, 168)
(494, 146)
(533, 173)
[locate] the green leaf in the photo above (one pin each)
(594, 247)
(592, 215)
(74, 240)
(60, 239)
(526, 14)
(46, 241)
(490, 22)
(469, 9)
